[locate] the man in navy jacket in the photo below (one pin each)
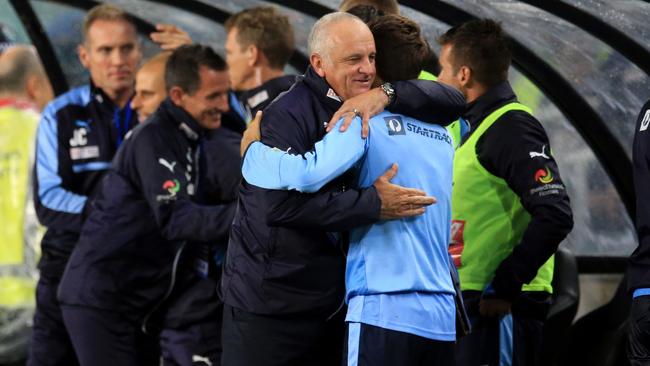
(145, 219)
(283, 279)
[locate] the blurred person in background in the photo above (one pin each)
(24, 92)
(382, 6)
(184, 337)
(78, 135)
(144, 243)
(150, 86)
(259, 44)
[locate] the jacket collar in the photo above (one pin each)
(261, 95)
(182, 120)
(493, 99)
(326, 95)
(106, 103)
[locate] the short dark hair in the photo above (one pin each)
(365, 12)
(385, 6)
(482, 46)
(401, 49)
(266, 28)
(182, 67)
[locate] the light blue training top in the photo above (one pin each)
(397, 274)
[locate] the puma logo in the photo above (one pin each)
(534, 154)
(205, 360)
(166, 164)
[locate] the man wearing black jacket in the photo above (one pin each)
(639, 265)
(146, 217)
(283, 278)
(510, 209)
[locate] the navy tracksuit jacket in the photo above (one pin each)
(145, 212)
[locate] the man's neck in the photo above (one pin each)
(260, 76)
(119, 97)
(15, 96)
(474, 93)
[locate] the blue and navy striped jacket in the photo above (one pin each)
(77, 137)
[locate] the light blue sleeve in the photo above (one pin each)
(272, 168)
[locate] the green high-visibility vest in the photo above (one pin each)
(488, 218)
(17, 130)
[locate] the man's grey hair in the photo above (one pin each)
(320, 41)
(17, 64)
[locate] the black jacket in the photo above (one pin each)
(506, 150)
(639, 264)
(221, 146)
(142, 216)
(282, 257)
(77, 138)
(257, 99)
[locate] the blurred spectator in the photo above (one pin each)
(150, 86)
(182, 335)
(365, 12)
(259, 44)
(24, 91)
(383, 6)
(77, 137)
(143, 240)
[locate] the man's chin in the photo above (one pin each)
(212, 124)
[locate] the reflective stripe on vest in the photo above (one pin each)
(488, 218)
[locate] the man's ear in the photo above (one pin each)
(176, 95)
(32, 86)
(317, 61)
(466, 76)
(253, 55)
(83, 55)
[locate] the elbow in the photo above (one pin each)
(310, 184)
(561, 223)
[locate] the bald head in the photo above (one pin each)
(22, 75)
(327, 32)
(150, 88)
(342, 51)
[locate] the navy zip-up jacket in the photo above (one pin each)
(77, 137)
(281, 257)
(143, 212)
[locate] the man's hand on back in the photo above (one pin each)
(397, 201)
(365, 105)
(252, 133)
